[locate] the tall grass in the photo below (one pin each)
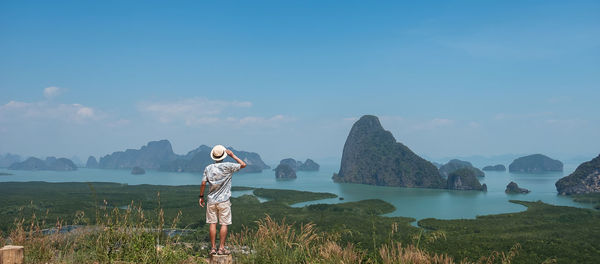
(130, 236)
(119, 235)
(280, 242)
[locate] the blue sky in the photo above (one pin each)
(288, 78)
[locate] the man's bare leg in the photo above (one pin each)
(213, 234)
(222, 236)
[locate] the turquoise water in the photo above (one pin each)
(410, 202)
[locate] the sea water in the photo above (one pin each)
(418, 203)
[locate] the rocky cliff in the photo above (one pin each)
(535, 163)
(464, 179)
(284, 171)
(309, 165)
(513, 188)
(91, 163)
(456, 164)
(585, 179)
(372, 156)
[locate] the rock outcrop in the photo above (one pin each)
(512, 187)
(498, 167)
(292, 163)
(456, 164)
(61, 164)
(309, 165)
(150, 156)
(51, 163)
(464, 179)
(372, 156)
(535, 163)
(284, 171)
(296, 165)
(585, 179)
(138, 171)
(91, 163)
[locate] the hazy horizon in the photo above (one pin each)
(288, 79)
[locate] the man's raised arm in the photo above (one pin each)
(241, 162)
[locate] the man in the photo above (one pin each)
(218, 175)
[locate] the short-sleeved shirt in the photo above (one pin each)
(218, 175)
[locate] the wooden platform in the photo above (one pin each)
(11, 255)
(220, 259)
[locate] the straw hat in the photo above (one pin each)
(218, 153)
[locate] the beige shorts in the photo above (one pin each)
(222, 211)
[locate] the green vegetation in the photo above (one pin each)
(123, 223)
(593, 198)
(545, 232)
(73, 202)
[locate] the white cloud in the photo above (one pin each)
(191, 111)
(52, 91)
(202, 111)
(24, 111)
(571, 123)
(261, 120)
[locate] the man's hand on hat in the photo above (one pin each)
(229, 152)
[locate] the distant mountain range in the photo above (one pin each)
(8, 159)
(159, 155)
(51, 163)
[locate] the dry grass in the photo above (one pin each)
(397, 254)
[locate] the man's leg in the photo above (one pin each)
(213, 234)
(222, 236)
(211, 219)
(224, 220)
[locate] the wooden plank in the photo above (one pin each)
(221, 259)
(11, 255)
